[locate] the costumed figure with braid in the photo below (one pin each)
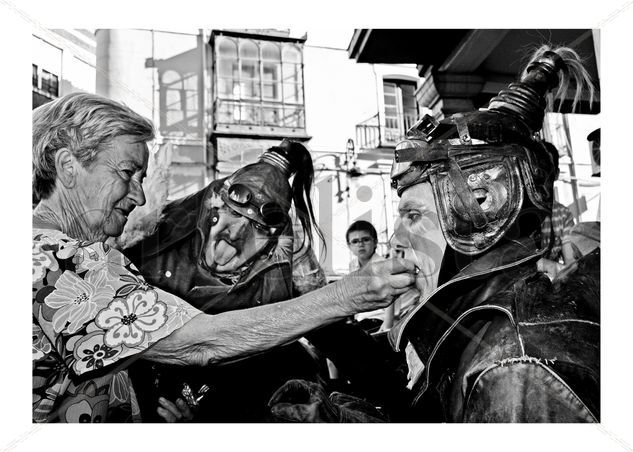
(233, 246)
(497, 341)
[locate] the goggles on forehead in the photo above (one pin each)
(271, 213)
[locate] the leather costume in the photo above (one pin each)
(497, 341)
(500, 343)
(172, 258)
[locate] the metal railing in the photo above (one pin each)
(371, 134)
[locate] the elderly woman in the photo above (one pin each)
(93, 312)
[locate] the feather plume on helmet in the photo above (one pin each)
(481, 163)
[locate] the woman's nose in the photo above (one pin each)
(137, 195)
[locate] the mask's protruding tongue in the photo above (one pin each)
(223, 252)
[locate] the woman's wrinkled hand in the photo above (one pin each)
(174, 412)
(377, 284)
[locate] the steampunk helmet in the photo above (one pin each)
(482, 164)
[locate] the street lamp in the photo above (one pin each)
(354, 171)
(350, 149)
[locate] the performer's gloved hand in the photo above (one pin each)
(174, 412)
(305, 401)
(378, 283)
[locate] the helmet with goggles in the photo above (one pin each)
(482, 164)
(263, 193)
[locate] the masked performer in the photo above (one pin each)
(229, 247)
(497, 342)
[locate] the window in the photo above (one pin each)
(50, 83)
(258, 83)
(179, 103)
(401, 108)
(35, 78)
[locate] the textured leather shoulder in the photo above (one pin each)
(523, 390)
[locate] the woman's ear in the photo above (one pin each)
(66, 167)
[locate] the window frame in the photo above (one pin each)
(234, 109)
(402, 124)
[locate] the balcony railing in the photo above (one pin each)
(371, 134)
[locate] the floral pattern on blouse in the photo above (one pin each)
(91, 311)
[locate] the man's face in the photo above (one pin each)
(233, 240)
(418, 233)
(111, 187)
(361, 244)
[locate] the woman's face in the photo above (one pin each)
(111, 187)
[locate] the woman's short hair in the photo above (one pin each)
(84, 124)
(362, 225)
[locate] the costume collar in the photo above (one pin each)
(507, 255)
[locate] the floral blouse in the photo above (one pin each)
(92, 314)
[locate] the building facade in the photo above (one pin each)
(64, 61)
(219, 98)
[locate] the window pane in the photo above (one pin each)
(291, 54)
(249, 89)
(173, 117)
(271, 91)
(390, 101)
(272, 115)
(227, 48)
(271, 52)
(293, 116)
(389, 88)
(225, 87)
(248, 49)
(271, 71)
(292, 73)
(192, 101)
(292, 93)
(226, 113)
(408, 99)
(391, 111)
(190, 81)
(227, 67)
(54, 86)
(34, 80)
(172, 99)
(408, 102)
(250, 69)
(407, 89)
(45, 78)
(50, 83)
(250, 114)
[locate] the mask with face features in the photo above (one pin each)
(262, 194)
(482, 164)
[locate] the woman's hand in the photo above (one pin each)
(377, 284)
(174, 412)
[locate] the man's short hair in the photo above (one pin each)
(362, 225)
(84, 124)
